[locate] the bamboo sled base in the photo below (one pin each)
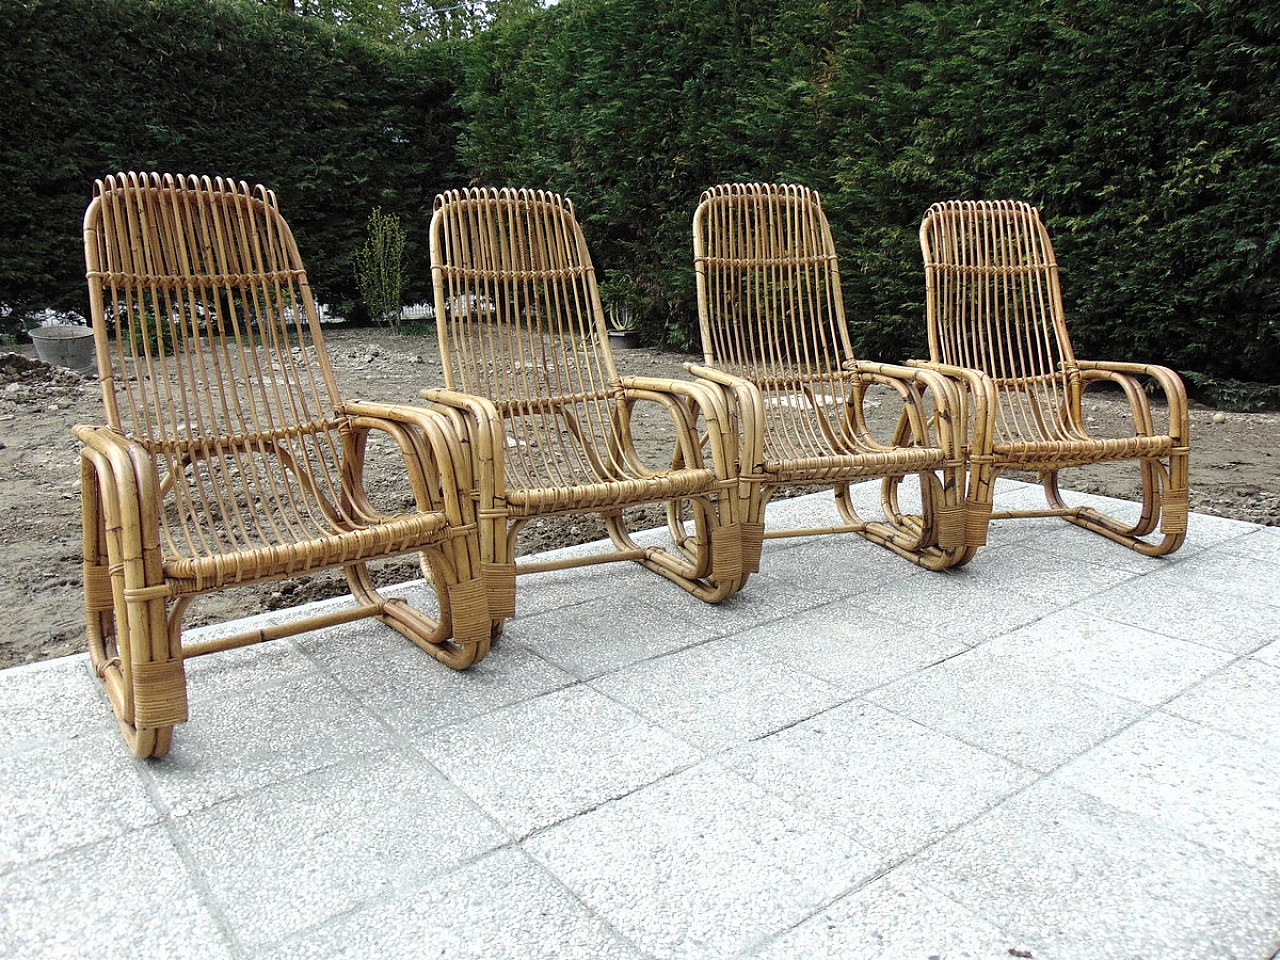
(228, 458)
(776, 346)
(997, 327)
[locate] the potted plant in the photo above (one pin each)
(621, 304)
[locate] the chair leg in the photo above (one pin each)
(950, 527)
(1165, 506)
(707, 563)
(933, 538)
(459, 637)
(131, 644)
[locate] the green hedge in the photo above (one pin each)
(334, 124)
(1148, 131)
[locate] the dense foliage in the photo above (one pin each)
(1148, 131)
(336, 125)
(410, 22)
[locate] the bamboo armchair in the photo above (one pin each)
(530, 377)
(775, 342)
(227, 457)
(996, 322)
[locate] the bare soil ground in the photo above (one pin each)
(1235, 472)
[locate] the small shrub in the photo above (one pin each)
(379, 269)
(149, 335)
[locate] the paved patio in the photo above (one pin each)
(1063, 751)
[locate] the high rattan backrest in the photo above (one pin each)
(521, 323)
(771, 310)
(993, 301)
(210, 355)
(769, 282)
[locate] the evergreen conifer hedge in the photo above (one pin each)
(1148, 132)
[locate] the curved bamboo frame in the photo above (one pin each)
(997, 325)
(531, 381)
(775, 342)
(228, 457)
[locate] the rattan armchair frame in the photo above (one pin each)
(997, 325)
(776, 343)
(531, 379)
(228, 458)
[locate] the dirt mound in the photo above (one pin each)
(29, 381)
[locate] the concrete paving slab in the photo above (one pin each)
(770, 597)
(893, 918)
(50, 702)
(1176, 608)
(1066, 875)
(414, 694)
(535, 763)
(210, 679)
(701, 864)
(830, 568)
(1215, 788)
(857, 759)
(594, 640)
(886, 781)
(850, 648)
(559, 589)
(949, 604)
(719, 694)
(371, 829)
(259, 737)
(1008, 708)
(1269, 654)
(1129, 662)
(1054, 539)
(1219, 570)
(1261, 543)
(501, 907)
(129, 896)
(1243, 699)
(1056, 581)
(67, 795)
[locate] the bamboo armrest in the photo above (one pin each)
(134, 503)
(710, 403)
(485, 433)
(443, 454)
(1126, 374)
(978, 397)
(950, 419)
(744, 405)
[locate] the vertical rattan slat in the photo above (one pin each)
(777, 346)
(997, 326)
(530, 379)
(227, 456)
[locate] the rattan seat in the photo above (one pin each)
(997, 325)
(549, 420)
(389, 536)
(228, 458)
(776, 344)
